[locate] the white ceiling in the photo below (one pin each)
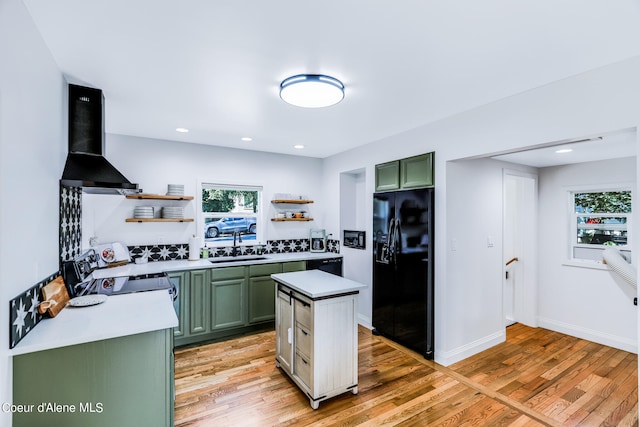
(611, 145)
(215, 66)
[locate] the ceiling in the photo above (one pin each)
(607, 146)
(215, 67)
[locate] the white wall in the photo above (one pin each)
(32, 152)
(153, 164)
(599, 101)
(583, 302)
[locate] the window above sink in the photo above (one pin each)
(230, 214)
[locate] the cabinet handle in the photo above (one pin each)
(289, 336)
(304, 332)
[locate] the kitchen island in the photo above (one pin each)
(317, 332)
(109, 364)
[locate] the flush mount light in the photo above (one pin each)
(564, 150)
(246, 139)
(298, 146)
(311, 90)
(182, 130)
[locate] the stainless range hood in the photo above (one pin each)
(86, 166)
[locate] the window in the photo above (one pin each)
(228, 210)
(599, 219)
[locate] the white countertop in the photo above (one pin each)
(119, 315)
(134, 313)
(317, 283)
(152, 267)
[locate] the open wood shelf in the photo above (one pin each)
(291, 219)
(159, 220)
(157, 197)
(292, 201)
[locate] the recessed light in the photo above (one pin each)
(182, 130)
(298, 146)
(564, 150)
(246, 139)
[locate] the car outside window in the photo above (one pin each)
(599, 219)
(229, 210)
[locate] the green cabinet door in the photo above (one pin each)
(228, 297)
(199, 302)
(124, 381)
(262, 292)
(417, 171)
(388, 176)
(180, 280)
(227, 303)
(262, 296)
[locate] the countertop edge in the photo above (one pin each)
(318, 284)
(127, 314)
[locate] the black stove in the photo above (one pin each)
(130, 284)
(77, 277)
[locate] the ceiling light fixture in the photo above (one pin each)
(311, 90)
(564, 150)
(246, 139)
(298, 146)
(182, 130)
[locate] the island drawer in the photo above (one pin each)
(303, 339)
(303, 313)
(302, 368)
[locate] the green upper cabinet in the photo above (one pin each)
(412, 172)
(417, 171)
(388, 176)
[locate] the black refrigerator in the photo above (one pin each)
(403, 306)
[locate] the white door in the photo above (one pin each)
(520, 194)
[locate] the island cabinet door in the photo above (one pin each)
(284, 330)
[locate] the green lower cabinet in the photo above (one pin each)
(181, 282)
(227, 303)
(262, 306)
(199, 305)
(221, 302)
(261, 299)
(125, 381)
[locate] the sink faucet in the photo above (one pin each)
(235, 246)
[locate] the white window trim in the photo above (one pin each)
(260, 215)
(572, 223)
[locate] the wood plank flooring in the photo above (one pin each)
(536, 378)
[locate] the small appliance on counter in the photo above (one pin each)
(318, 240)
(112, 254)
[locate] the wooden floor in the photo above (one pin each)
(536, 378)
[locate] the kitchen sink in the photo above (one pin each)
(236, 259)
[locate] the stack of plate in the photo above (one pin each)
(172, 212)
(143, 212)
(175, 190)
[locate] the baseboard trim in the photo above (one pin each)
(615, 341)
(447, 358)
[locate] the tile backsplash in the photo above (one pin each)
(23, 311)
(181, 250)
